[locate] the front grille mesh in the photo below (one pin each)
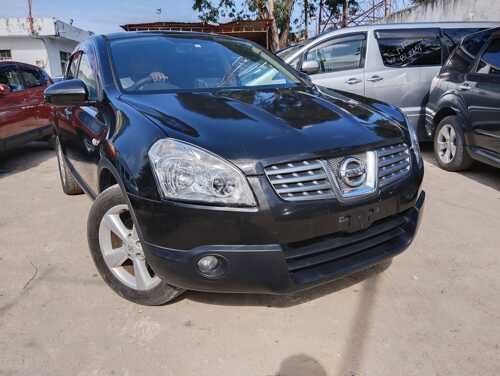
(393, 164)
(308, 180)
(300, 181)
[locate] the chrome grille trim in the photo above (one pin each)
(317, 179)
(300, 181)
(393, 164)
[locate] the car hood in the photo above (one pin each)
(256, 127)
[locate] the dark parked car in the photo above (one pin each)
(24, 115)
(464, 104)
(214, 167)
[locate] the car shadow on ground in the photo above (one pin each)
(24, 158)
(479, 172)
(284, 301)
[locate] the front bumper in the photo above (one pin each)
(280, 248)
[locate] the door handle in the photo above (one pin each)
(374, 79)
(353, 81)
(465, 86)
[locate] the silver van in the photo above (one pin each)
(394, 63)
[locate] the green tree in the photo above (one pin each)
(215, 10)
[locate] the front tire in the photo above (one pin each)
(117, 252)
(449, 145)
(68, 182)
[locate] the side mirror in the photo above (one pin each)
(67, 93)
(310, 67)
(4, 89)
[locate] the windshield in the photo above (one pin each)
(170, 62)
(284, 53)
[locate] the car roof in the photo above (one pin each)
(11, 62)
(410, 25)
(135, 34)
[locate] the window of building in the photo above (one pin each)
(338, 54)
(5, 55)
(64, 57)
(407, 49)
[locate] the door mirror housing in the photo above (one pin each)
(67, 93)
(310, 67)
(4, 89)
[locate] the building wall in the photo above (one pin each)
(449, 10)
(42, 52)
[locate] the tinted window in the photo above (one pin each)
(338, 54)
(409, 51)
(87, 74)
(455, 35)
(473, 43)
(32, 77)
(459, 61)
(173, 62)
(490, 61)
(12, 79)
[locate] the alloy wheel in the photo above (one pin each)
(447, 143)
(122, 250)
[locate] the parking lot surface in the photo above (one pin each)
(434, 311)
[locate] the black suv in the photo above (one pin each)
(464, 104)
(215, 167)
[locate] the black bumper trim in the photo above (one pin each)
(267, 269)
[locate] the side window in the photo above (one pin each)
(73, 66)
(87, 73)
(12, 79)
(32, 77)
(490, 61)
(338, 54)
(400, 50)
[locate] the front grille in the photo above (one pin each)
(308, 259)
(393, 164)
(300, 181)
(309, 180)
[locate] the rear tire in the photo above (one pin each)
(68, 182)
(449, 145)
(117, 252)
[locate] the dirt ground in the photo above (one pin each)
(434, 311)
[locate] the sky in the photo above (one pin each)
(103, 16)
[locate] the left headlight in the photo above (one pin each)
(414, 142)
(185, 172)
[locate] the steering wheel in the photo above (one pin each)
(143, 81)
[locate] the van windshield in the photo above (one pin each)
(169, 62)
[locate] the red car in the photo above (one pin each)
(24, 115)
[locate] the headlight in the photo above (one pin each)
(414, 142)
(185, 172)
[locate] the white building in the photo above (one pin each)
(48, 43)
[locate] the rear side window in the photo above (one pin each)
(490, 61)
(32, 77)
(338, 54)
(403, 48)
(473, 43)
(12, 79)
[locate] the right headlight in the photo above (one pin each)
(188, 173)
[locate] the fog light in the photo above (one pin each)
(209, 265)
